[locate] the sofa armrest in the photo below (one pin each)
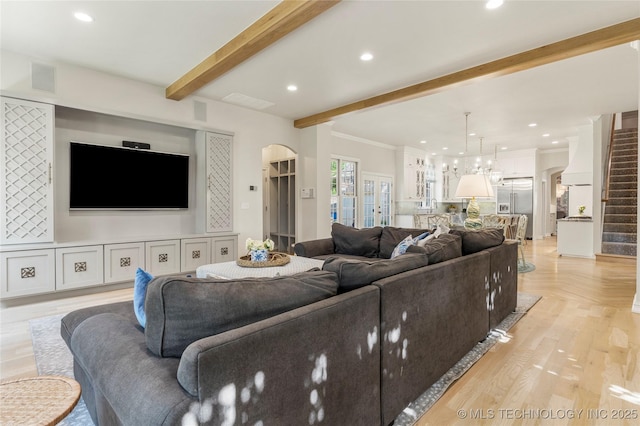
(431, 317)
(503, 295)
(136, 387)
(323, 359)
(314, 248)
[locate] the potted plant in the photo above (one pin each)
(259, 250)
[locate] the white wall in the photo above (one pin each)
(86, 126)
(91, 90)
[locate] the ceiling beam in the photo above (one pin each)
(275, 24)
(586, 43)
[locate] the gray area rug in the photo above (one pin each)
(527, 267)
(53, 358)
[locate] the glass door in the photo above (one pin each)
(377, 204)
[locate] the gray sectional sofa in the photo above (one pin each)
(320, 347)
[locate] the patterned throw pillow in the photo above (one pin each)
(401, 248)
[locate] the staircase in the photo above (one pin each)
(619, 234)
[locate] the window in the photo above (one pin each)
(344, 180)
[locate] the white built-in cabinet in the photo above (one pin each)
(29, 271)
(214, 200)
(78, 267)
(282, 203)
(26, 178)
(413, 179)
(32, 263)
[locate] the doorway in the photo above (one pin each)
(377, 205)
(279, 196)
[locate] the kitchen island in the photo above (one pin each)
(575, 236)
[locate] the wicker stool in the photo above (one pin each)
(42, 400)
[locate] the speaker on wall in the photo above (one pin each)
(43, 77)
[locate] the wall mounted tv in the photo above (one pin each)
(116, 178)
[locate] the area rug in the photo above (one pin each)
(527, 267)
(53, 358)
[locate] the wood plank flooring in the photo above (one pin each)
(577, 349)
(573, 359)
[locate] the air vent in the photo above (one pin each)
(247, 101)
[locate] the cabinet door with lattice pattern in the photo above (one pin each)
(219, 208)
(26, 179)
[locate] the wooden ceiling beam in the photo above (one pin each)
(275, 24)
(614, 35)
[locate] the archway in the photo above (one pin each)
(279, 196)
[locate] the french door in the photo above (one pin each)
(377, 204)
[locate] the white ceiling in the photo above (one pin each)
(412, 41)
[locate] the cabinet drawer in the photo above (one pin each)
(194, 252)
(224, 249)
(163, 257)
(122, 260)
(27, 272)
(79, 267)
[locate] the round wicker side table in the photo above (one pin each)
(41, 400)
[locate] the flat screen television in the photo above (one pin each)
(118, 178)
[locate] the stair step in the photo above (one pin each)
(609, 209)
(620, 158)
(623, 201)
(629, 228)
(633, 150)
(628, 249)
(623, 178)
(624, 171)
(623, 185)
(623, 193)
(619, 237)
(624, 160)
(621, 218)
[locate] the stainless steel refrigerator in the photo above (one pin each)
(515, 196)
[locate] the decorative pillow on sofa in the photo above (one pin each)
(445, 247)
(353, 274)
(392, 236)
(477, 240)
(139, 292)
(182, 310)
(402, 246)
(360, 242)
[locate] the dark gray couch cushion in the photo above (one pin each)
(359, 242)
(475, 240)
(445, 247)
(391, 237)
(182, 310)
(353, 274)
(74, 319)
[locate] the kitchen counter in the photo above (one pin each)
(575, 237)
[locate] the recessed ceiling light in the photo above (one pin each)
(503, 148)
(366, 56)
(81, 16)
(461, 153)
(533, 124)
(554, 142)
(472, 134)
(493, 4)
(423, 141)
(546, 135)
(433, 153)
(292, 87)
(445, 148)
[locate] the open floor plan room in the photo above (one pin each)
(572, 358)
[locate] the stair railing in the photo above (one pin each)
(607, 170)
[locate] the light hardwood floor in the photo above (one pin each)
(576, 349)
